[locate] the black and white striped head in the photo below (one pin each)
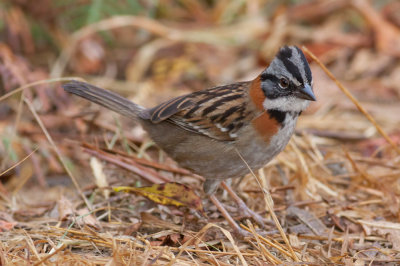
(287, 82)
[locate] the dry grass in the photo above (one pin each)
(331, 197)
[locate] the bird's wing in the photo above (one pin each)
(218, 113)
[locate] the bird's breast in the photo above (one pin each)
(266, 126)
(266, 140)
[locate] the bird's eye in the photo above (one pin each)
(284, 83)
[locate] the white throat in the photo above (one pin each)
(286, 104)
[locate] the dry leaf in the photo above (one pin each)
(65, 208)
(168, 194)
(389, 230)
(309, 219)
(100, 177)
(6, 226)
(87, 218)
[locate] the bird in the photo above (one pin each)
(225, 131)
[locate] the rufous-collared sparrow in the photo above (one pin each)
(213, 131)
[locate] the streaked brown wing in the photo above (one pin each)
(217, 112)
(169, 108)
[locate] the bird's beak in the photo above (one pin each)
(306, 93)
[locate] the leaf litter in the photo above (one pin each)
(335, 188)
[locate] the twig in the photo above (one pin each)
(59, 155)
(268, 242)
(148, 173)
(15, 165)
(267, 199)
(129, 158)
(5, 96)
(32, 109)
(353, 99)
(265, 253)
(198, 236)
(50, 255)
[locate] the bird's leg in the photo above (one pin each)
(228, 217)
(242, 206)
(210, 186)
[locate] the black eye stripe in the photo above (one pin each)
(271, 93)
(265, 76)
(273, 78)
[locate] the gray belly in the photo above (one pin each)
(215, 159)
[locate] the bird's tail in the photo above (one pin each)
(104, 98)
